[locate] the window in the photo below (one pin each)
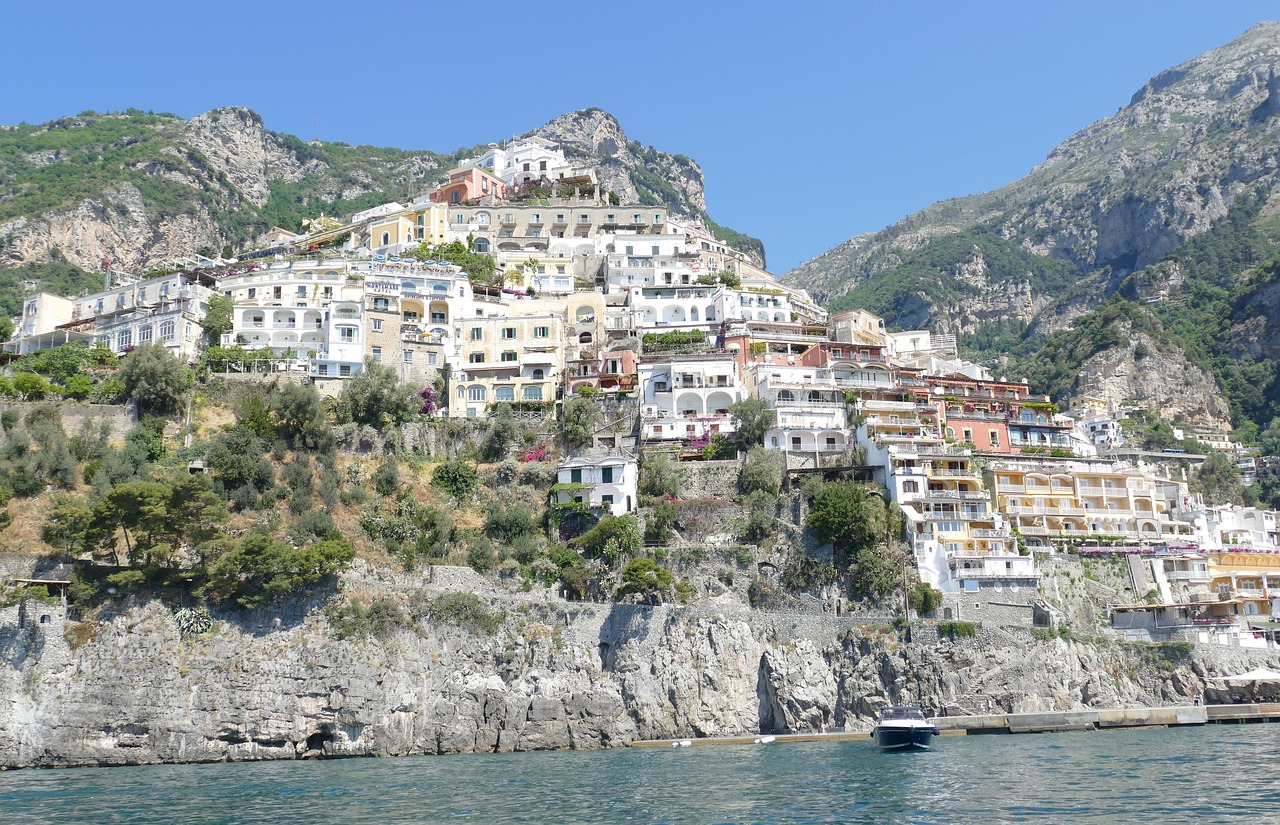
(323, 369)
(575, 476)
(431, 358)
(377, 325)
(347, 334)
(537, 375)
(275, 292)
(344, 370)
(253, 292)
(655, 249)
(606, 499)
(509, 355)
(542, 332)
(533, 393)
(995, 437)
(630, 250)
(475, 393)
(408, 356)
(144, 334)
(795, 442)
(477, 334)
(657, 217)
(637, 218)
(968, 436)
(377, 353)
(476, 358)
(302, 290)
(606, 475)
(166, 331)
(504, 394)
(124, 338)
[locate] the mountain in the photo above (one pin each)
(1167, 207)
(143, 188)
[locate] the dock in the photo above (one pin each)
(997, 723)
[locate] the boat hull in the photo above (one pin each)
(903, 738)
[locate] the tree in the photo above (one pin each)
(659, 477)
(581, 417)
(30, 386)
(154, 378)
(646, 577)
(218, 319)
(752, 418)
(299, 416)
(502, 431)
(1269, 439)
(761, 471)
(263, 568)
(838, 516)
(376, 397)
(237, 460)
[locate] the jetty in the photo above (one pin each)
(1043, 722)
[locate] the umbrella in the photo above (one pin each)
(1260, 674)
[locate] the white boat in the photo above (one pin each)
(903, 728)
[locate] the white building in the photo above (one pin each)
(603, 479)
(688, 397)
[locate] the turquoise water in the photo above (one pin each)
(1219, 773)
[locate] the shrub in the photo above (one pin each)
(457, 478)
(645, 577)
(380, 619)
(760, 522)
(507, 522)
(958, 630)
(387, 477)
(924, 598)
(464, 610)
(578, 425)
(659, 526)
(500, 436)
(192, 621)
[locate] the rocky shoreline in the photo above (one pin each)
(280, 684)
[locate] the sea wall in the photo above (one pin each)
(278, 684)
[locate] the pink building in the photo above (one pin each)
(470, 183)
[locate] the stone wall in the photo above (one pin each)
(709, 479)
(119, 417)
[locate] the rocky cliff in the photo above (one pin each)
(280, 685)
(1166, 202)
(142, 189)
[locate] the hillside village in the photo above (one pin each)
(520, 287)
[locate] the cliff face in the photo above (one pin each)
(557, 675)
(143, 189)
(1168, 203)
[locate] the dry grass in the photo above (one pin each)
(23, 535)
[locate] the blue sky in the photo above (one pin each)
(813, 121)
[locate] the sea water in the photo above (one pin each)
(1213, 774)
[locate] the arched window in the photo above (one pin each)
(538, 375)
(504, 394)
(482, 218)
(533, 393)
(462, 392)
(475, 393)
(584, 338)
(482, 244)
(386, 238)
(786, 395)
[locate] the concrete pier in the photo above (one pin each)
(1046, 722)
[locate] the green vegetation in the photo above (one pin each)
(155, 379)
(864, 532)
(958, 630)
(752, 418)
(676, 341)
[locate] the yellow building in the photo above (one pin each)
(1048, 499)
(419, 223)
(511, 358)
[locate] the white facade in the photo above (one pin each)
(607, 479)
(688, 396)
(523, 161)
(168, 309)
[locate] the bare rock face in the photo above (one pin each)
(234, 143)
(117, 227)
(1140, 373)
(597, 138)
(280, 685)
